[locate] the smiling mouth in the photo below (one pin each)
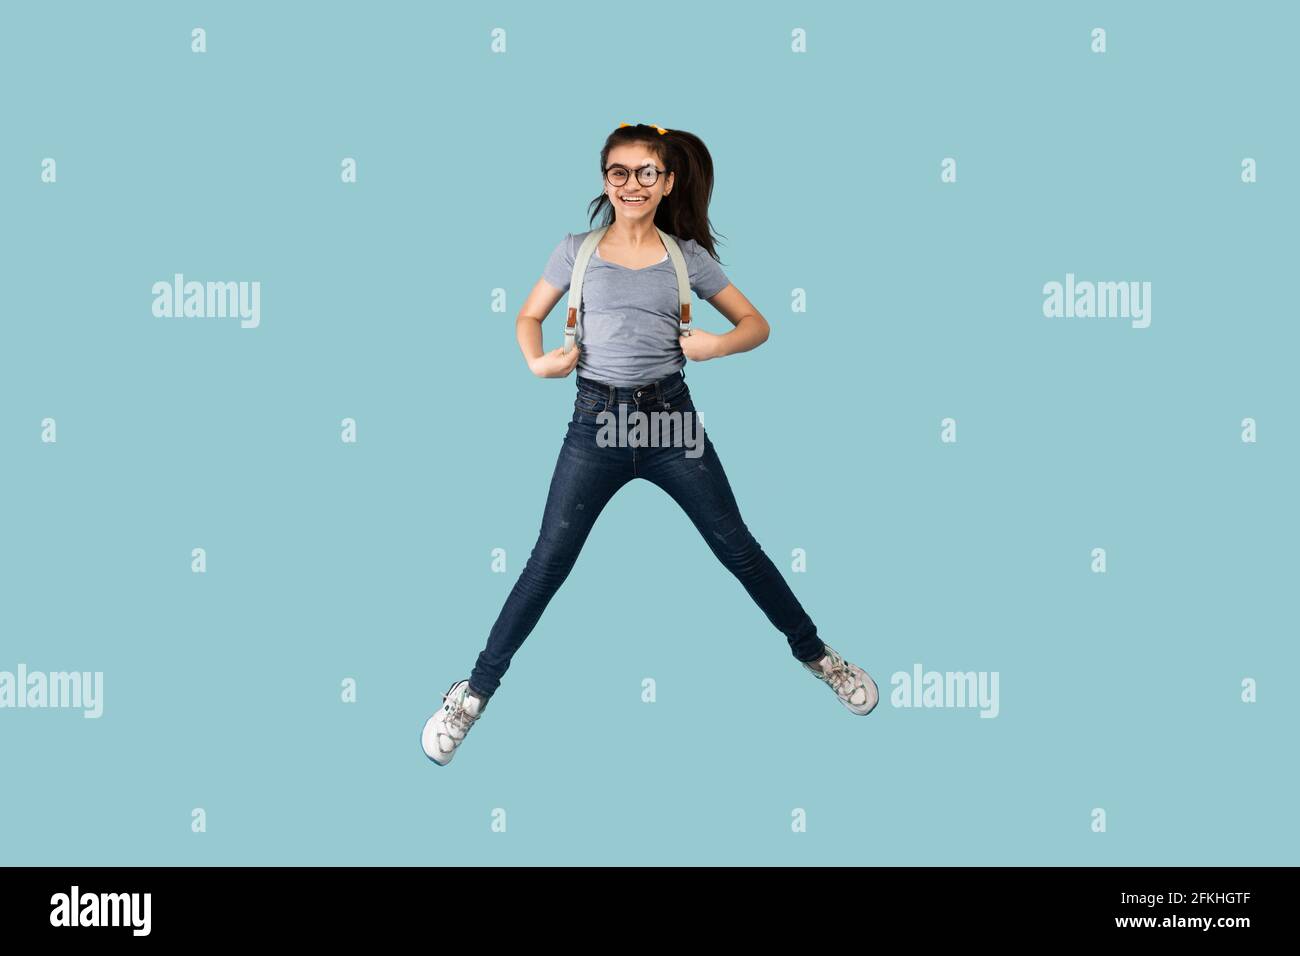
(634, 200)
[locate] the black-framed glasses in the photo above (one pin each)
(617, 175)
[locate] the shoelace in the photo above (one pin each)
(459, 717)
(840, 674)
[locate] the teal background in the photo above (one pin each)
(372, 561)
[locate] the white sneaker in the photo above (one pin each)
(852, 685)
(445, 731)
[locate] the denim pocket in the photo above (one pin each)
(679, 395)
(589, 404)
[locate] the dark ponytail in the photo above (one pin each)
(685, 211)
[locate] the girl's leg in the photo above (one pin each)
(585, 478)
(700, 487)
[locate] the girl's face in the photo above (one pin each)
(634, 157)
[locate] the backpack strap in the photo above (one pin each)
(575, 284)
(580, 270)
(683, 282)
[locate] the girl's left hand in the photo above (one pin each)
(700, 346)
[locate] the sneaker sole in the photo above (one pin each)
(865, 712)
(426, 753)
(846, 703)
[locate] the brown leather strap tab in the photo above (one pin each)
(686, 313)
(573, 318)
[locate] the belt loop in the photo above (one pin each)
(612, 400)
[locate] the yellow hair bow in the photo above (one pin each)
(655, 125)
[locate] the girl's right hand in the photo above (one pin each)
(555, 363)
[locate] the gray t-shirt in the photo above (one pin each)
(628, 330)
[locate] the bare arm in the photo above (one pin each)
(528, 332)
(751, 329)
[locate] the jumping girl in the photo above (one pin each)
(632, 320)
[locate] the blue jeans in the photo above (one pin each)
(587, 475)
